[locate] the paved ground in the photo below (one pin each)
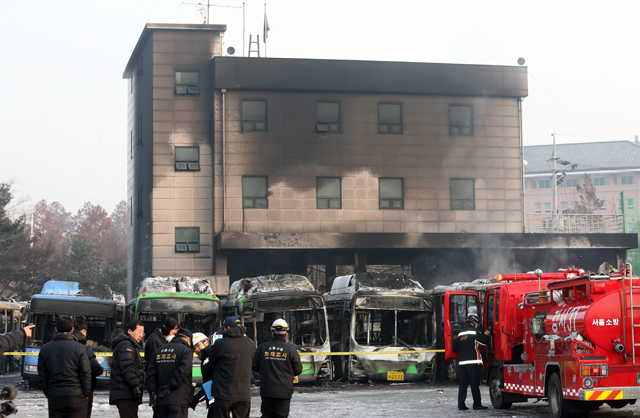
(408, 400)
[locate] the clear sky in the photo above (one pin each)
(63, 100)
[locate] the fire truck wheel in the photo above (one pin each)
(557, 404)
(495, 393)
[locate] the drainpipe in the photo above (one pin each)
(224, 161)
(524, 220)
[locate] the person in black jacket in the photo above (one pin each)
(159, 337)
(201, 347)
(127, 370)
(229, 367)
(10, 340)
(278, 363)
(470, 340)
(169, 380)
(80, 333)
(65, 374)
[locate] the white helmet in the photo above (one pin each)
(199, 337)
(280, 326)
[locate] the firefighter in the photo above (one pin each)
(278, 363)
(201, 347)
(127, 370)
(160, 337)
(228, 366)
(470, 339)
(169, 380)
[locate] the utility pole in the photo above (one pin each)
(555, 179)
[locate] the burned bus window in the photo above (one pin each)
(392, 327)
(306, 327)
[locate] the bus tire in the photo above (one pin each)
(495, 391)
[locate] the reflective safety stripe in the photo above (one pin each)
(470, 362)
(467, 333)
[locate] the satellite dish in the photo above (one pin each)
(520, 61)
(231, 50)
(201, 12)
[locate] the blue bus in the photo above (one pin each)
(92, 302)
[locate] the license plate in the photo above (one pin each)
(395, 375)
(295, 379)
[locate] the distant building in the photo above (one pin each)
(613, 166)
(240, 167)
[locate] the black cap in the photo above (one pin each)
(184, 333)
(231, 321)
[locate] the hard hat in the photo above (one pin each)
(280, 326)
(199, 337)
(472, 318)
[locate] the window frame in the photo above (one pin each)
(320, 124)
(254, 121)
(602, 181)
(537, 207)
(389, 124)
(188, 164)
(329, 199)
(189, 89)
(380, 199)
(451, 126)
(265, 197)
(547, 205)
(473, 189)
(187, 243)
(631, 204)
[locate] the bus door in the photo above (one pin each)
(458, 305)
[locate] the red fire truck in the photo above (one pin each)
(572, 338)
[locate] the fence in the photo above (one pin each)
(573, 223)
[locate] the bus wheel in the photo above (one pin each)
(557, 404)
(495, 393)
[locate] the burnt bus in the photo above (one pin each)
(374, 313)
(259, 301)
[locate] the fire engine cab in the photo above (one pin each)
(572, 338)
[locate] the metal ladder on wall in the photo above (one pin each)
(627, 274)
(257, 42)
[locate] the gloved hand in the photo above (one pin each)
(137, 393)
(196, 399)
(152, 400)
(164, 391)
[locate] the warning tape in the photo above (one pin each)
(302, 353)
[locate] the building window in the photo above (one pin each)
(187, 158)
(538, 228)
(630, 203)
(631, 226)
(565, 205)
(601, 181)
(327, 117)
(187, 82)
(542, 184)
(462, 194)
(328, 193)
(603, 206)
(571, 183)
(547, 207)
(460, 120)
(620, 204)
(574, 204)
(254, 116)
(187, 239)
(389, 118)
(626, 180)
(254, 192)
(538, 207)
(391, 192)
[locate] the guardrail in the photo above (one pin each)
(572, 223)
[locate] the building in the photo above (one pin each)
(613, 168)
(246, 166)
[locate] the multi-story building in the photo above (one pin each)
(247, 166)
(613, 168)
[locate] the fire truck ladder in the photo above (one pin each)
(633, 307)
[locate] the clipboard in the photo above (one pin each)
(207, 391)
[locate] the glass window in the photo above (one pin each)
(631, 226)
(571, 183)
(630, 203)
(328, 117)
(574, 204)
(254, 115)
(620, 204)
(547, 207)
(461, 120)
(626, 180)
(389, 118)
(187, 159)
(601, 181)
(187, 239)
(538, 207)
(328, 193)
(542, 184)
(565, 205)
(187, 82)
(391, 192)
(254, 192)
(603, 206)
(462, 194)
